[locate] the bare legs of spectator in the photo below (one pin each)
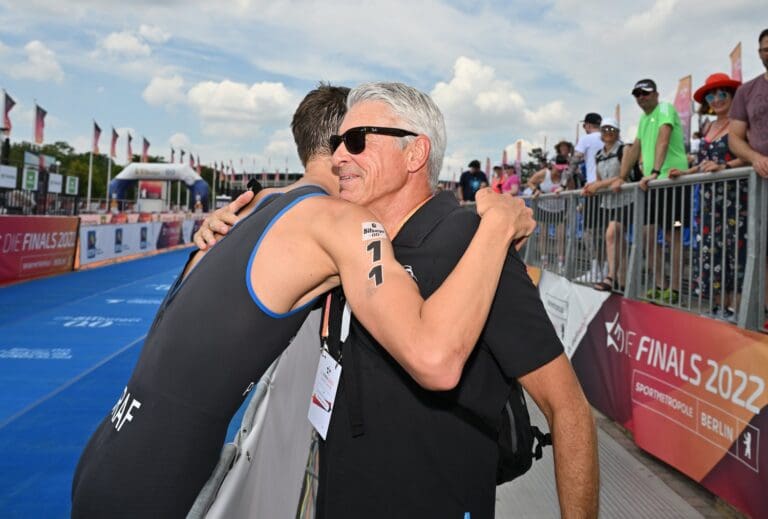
(654, 254)
(616, 253)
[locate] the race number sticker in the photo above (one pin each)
(373, 231)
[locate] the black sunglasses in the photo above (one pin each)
(642, 93)
(354, 138)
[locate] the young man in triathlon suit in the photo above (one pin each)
(157, 447)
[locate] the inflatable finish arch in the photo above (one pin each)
(154, 171)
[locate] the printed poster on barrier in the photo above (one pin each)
(54, 182)
(8, 177)
(691, 389)
(34, 246)
(570, 307)
(29, 180)
(111, 241)
(72, 185)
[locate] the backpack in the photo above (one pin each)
(635, 174)
(519, 441)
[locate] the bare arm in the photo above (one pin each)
(536, 179)
(430, 339)
(628, 161)
(737, 142)
(558, 394)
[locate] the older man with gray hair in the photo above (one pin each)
(395, 448)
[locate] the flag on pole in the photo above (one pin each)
(181, 156)
(113, 146)
(683, 107)
(173, 155)
(617, 113)
(487, 166)
(199, 168)
(191, 160)
(145, 150)
(96, 137)
(129, 149)
(518, 157)
(9, 104)
(504, 157)
(736, 62)
(39, 124)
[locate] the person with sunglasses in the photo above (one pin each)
(616, 208)
(718, 272)
(660, 147)
(239, 304)
(394, 448)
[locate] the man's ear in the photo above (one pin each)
(418, 153)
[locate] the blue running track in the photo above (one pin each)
(67, 347)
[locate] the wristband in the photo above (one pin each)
(655, 172)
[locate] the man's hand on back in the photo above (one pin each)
(511, 211)
(220, 222)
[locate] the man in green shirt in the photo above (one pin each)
(659, 145)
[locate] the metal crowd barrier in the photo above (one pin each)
(696, 243)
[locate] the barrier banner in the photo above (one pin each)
(571, 307)
(169, 234)
(691, 389)
(34, 246)
(111, 241)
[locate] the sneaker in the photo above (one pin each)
(670, 296)
(653, 294)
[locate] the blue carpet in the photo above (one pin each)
(67, 347)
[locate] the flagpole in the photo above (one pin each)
(109, 179)
(90, 177)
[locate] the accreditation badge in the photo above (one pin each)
(324, 393)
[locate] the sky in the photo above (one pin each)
(222, 79)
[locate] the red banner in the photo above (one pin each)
(683, 107)
(145, 150)
(736, 62)
(39, 124)
(129, 149)
(170, 235)
(8, 103)
(35, 246)
(691, 389)
(113, 146)
(96, 137)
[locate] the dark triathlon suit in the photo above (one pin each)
(211, 340)
(393, 448)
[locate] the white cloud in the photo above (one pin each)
(40, 64)
(153, 34)
(179, 140)
(280, 146)
(125, 44)
(475, 98)
(237, 109)
(165, 91)
(651, 19)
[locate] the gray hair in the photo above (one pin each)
(418, 111)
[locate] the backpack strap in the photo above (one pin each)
(542, 440)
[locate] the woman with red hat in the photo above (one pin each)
(724, 203)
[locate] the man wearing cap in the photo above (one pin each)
(471, 181)
(586, 150)
(588, 146)
(659, 145)
(749, 117)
